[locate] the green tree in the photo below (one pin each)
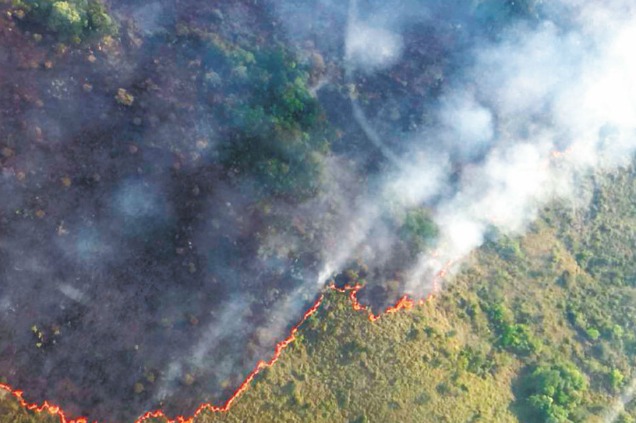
(418, 230)
(66, 18)
(555, 391)
(74, 19)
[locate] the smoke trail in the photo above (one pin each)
(368, 48)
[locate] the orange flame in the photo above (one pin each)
(404, 303)
(55, 410)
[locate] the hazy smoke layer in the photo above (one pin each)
(141, 268)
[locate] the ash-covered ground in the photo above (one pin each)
(180, 179)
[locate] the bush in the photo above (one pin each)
(593, 333)
(512, 336)
(616, 379)
(509, 248)
(519, 339)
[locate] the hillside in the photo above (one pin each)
(181, 182)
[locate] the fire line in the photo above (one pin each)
(404, 303)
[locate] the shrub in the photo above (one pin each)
(616, 378)
(515, 337)
(593, 333)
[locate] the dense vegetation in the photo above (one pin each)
(537, 329)
(274, 130)
(275, 124)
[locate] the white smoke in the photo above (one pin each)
(467, 125)
(550, 89)
(533, 112)
(614, 411)
(372, 48)
(370, 45)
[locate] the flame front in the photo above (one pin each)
(404, 303)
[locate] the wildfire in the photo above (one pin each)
(404, 303)
(46, 407)
(562, 154)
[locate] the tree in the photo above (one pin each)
(75, 19)
(66, 18)
(555, 391)
(418, 230)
